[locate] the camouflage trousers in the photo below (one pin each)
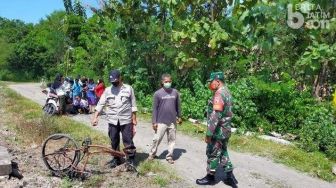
(218, 155)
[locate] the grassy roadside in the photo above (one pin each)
(315, 164)
(25, 118)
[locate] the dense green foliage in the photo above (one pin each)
(275, 73)
(11, 33)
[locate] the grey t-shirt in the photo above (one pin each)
(166, 106)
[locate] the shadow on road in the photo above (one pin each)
(140, 157)
(177, 153)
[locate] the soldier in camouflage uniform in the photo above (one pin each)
(219, 115)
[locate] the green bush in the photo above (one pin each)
(245, 110)
(6, 75)
(194, 102)
(144, 102)
(266, 106)
(269, 106)
(318, 132)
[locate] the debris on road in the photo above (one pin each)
(274, 139)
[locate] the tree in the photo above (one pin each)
(39, 53)
(68, 6)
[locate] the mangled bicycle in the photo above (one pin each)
(62, 156)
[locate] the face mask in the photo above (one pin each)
(213, 86)
(115, 84)
(167, 85)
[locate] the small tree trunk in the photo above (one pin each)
(319, 80)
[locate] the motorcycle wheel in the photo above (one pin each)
(50, 109)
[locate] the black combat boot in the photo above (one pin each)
(231, 179)
(207, 180)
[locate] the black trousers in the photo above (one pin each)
(62, 104)
(127, 138)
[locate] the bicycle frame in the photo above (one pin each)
(99, 150)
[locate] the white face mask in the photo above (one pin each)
(167, 85)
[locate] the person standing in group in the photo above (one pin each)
(61, 93)
(76, 88)
(120, 107)
(219, 116)
(166, 113)
(99, 89)
(91, 96)
(84, 85)
(67, 89)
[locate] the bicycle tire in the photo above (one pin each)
(75, 159)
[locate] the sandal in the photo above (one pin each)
(151, 157)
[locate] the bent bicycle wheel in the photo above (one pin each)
(60, 153)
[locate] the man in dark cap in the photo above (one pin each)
(219, 115)
(120, 108)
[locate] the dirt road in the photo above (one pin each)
(251, 171)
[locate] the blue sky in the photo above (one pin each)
(31, 11)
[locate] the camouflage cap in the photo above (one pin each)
(216, 75)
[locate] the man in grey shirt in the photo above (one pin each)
(166, 113)
(120, 108)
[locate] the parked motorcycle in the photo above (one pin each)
(51, 106)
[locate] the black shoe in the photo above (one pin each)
(15, 171)
(231, 179)
(130, 165)
(114, 163)
(207, 180)
(130, 162)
